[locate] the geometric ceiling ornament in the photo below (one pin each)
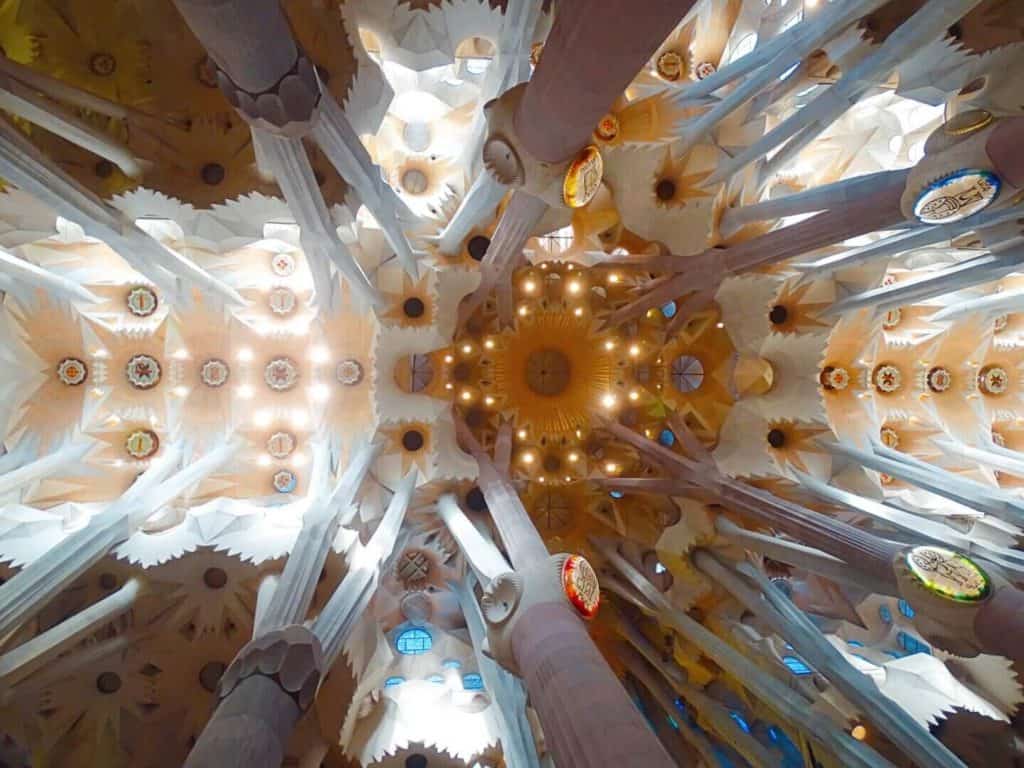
(142, 444)
(282, 301)
(283, 264)
(72, 371)
(281, 444)
(281, 374)
(887, 378)
(214, 372)
(993, 380)
(143, 371)
(142, 301)
(284, 481)
(349, 372)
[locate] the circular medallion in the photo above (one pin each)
(548, 372)
(215, 372)
(142, 301)
(993, 380)
(834, 377)
(142, 444)
(608, 128)
(72, 371)
(967, 122)
(892, 318)
(281, 374)
(282, 301)
(349, 372)
(939, 379)
(957, 196)
(280, 445)
(998, 439)
(890, 437)
(704, 69)
(282, 264)
(581, 586)
(143, 372)
(284, 481)
(948, 573)
(999, 323)
(583, 178)
(887, 378)
(670, 65)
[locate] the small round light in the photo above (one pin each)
(859, 732)
(609, 345)
(489, 344)
(578, 311)
(719, 325)
(611, 467)
(608, 401)
(634, 350)
(466, 395)
(467, 349)
(449, 359)
(521, 434)
(523, 310)
(613, 277)
(527, 458)
(575, 287)
(529, 286)
(574, 457)
(245, 354)
(488, 400)
(634, 395)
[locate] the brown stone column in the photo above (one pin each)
(594, 50)
(249, 39)
(999, 624)
(263, 693)
(589, 720)
(1004, 148)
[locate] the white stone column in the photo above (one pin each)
(344, 608)
(26, 273)
(65, 456)
(17, 664)
(477, 206)
(294, 589)
(925, 26)
(333, 132)
(32, 587)
(483, 557)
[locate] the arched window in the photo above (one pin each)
(451, 664)
(436, 679)
(905, 608)
(472, 682)
(616, 494)
(391, 682)
(669, 310)
(740, 721)
(885, 614)
(667, 438)
(414, 641)
(855, 643)
(796, 666)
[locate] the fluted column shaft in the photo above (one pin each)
(249, 39)
(589, 58)
(589, 720)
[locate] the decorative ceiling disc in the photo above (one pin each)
(215, 372)
(704, 69)
(281, 374)
(993, 380)
(143, 372)
(283, 264)
(350, 372)
(142, 444)
(280, 445)
(957, 196)
(583, 177)
(284, 481)
(670, 65)
(142, 301)
(72, 371)
(581, 586)
(282, 301)
(939, 379)
(887, 378)
(948, 573)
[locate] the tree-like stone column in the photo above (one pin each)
(271, 682)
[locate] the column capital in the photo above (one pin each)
(289, 656)
(562, 578)
(288, 107)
